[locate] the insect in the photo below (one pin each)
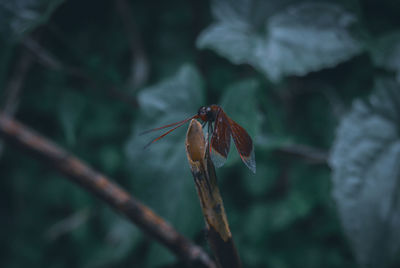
(222, 128)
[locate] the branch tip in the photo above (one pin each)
(195, 142)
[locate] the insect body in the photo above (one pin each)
(222, 129)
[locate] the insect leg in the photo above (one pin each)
(209, 136)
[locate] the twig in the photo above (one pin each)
(68, 224)
(16, 82)
(312, 155)
(140, 64)
(14, 87)
(219, 234)
(105, 190)
(43, 56)
(50, 61)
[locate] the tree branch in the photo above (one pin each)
(205, 178)
(104, 189)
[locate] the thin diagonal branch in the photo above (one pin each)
(310, 154)
(48, 60)
(104, 189)
(14, 86)
(16, 82)
(139, 61)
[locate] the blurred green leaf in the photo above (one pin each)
(366, 175)
(19, 17)
(252, 12)
(303, 38)
(234, 34)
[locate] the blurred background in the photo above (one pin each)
(315, 83)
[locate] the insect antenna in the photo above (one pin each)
(178, 124)
(166, 126)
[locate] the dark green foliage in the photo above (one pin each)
(288, 71)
